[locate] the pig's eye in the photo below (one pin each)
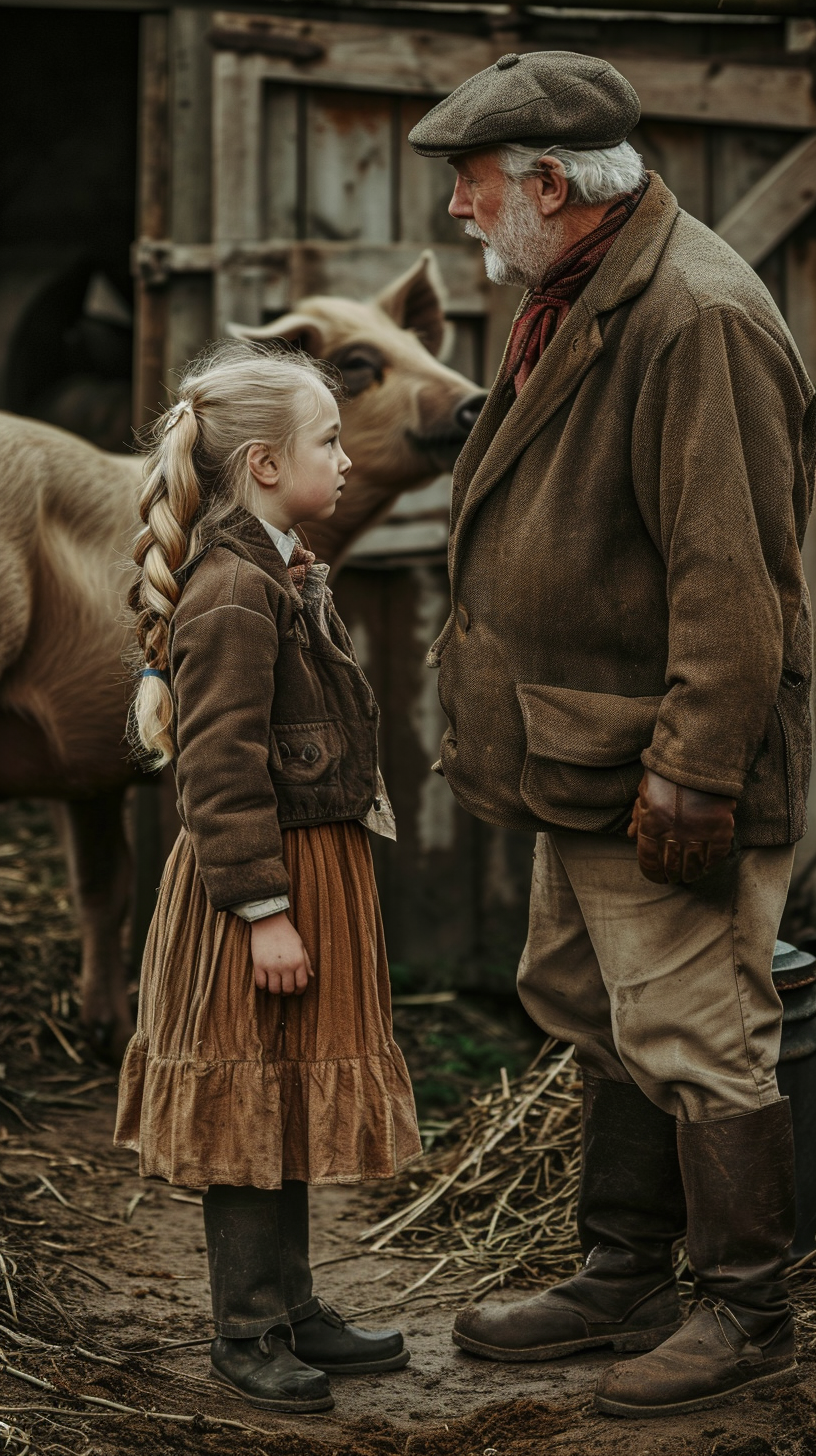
(360, 365)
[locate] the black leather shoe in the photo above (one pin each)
(267, 1374)
(327, 1342)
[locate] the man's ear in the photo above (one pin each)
(552, 187)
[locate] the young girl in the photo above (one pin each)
(264, 1059)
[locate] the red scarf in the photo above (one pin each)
(546, 309)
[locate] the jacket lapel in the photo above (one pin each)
(507, 425)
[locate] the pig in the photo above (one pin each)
(68, 517)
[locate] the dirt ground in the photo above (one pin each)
(138, 1292)
(104, 1306)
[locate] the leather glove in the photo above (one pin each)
(681, 833)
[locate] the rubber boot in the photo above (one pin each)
(630, 1211)
(261, 1282)
(739, 1179)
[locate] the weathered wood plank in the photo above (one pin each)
(678, 153)
(348, 166)
(432, 63)
(774, 206)
(737, 94)
(237, 170)
(426, 185)
(189, 320)
(279, 177)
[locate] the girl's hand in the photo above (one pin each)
(280, 960)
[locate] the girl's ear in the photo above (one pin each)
(263, 467)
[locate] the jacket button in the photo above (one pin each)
(310, 752)
(284, 750)
(462, 618)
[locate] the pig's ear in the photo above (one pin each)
(416, 301)
(291, 328)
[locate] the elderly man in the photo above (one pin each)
(626, 670)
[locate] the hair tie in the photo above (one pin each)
(157, 672)
(173, 415)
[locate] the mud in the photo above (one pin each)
(130, 1291)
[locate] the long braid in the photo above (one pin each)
(170, 501)
(232, 395)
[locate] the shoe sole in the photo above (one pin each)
(301, 1407)
(637, 1340)
(367, 1367)
(786, 1376)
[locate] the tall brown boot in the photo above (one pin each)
(630, 1211)
(738, 1176)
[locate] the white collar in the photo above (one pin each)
(285, 541)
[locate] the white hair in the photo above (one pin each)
(593, 177)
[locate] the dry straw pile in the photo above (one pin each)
(496, 1194)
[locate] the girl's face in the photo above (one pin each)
(308, 486)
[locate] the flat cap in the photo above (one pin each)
(555, 98)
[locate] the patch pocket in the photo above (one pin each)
(582, 765)
(305, 753)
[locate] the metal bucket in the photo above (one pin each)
(794, 974)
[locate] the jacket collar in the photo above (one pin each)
(507, 424)
(244, 535)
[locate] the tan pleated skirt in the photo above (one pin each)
(223, 1083)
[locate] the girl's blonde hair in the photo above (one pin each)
(233, 395)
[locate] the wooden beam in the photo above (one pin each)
(432, 63)
(154, 213)
(354, 269)
(774, 206)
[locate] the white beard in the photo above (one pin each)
(522, 246)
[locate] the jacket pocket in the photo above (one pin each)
(582, 765)
(305, 753)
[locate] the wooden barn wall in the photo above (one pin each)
(328, 166)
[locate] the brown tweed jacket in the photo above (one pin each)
(276, 724)
(625, 552)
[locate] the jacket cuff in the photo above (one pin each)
(728, 786)
(240, 884)
(258, 909)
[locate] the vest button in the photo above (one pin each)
(284, 750)
(463, 618)
(310, 752)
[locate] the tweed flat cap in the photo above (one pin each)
(548, 97)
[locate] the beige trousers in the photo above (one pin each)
(668, 986)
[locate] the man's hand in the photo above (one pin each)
(280, 960)
(681, 833)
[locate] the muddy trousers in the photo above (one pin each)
(258, 1251)
(667, 986)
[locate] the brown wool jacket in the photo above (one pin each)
(276, 724)
(625, 571)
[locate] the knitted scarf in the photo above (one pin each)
(547, 307)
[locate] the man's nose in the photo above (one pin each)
(459, 205)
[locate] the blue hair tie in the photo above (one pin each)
(157, 672)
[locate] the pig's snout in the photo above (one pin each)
(468, 412)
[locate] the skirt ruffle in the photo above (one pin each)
(223, 1083)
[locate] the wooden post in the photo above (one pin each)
(152, 215)
(189, 319)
